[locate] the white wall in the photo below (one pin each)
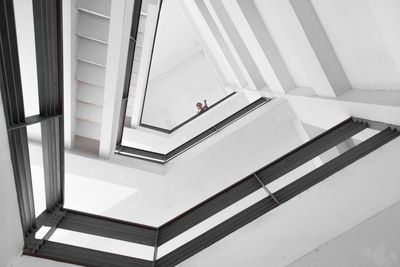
(171, 97)
(358, 32)
(314, 217)
(373, 243)
(175, 41)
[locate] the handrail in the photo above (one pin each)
(157, 236)
(163, 158)
(169, 131)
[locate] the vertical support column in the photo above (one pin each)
(213, 44)
(11, 92)
(322, 47)
(155, 249)
(300, 23)
(49, 56)
(129, 64)
(70, 18)
(118, 44)
(145, 62)
(256, 80)
(278, 76)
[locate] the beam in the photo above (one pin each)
(145, 62)
(306, 36)
(277, 74)
(218, 46)
(323, 48)
(267, 174)
(129, 64)
(208, 43)
(70, 40)
(322, 112)
(49, 58)
(11, 92)
(33, 120)
(102, 226)
(118, 44)
(82, 256)
(256, 79)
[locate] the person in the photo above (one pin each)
(201, 107)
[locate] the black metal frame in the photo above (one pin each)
(128, 71)
(55, 216)
(48, 31)
(164, 158)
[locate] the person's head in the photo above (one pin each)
(199, 105)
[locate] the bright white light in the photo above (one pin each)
(42, 232)
(92, 195)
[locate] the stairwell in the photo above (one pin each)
(92, 40)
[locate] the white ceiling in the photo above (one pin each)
(175, 41)
(358, 36)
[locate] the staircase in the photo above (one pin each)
(92, 38)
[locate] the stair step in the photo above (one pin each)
(93, 26)
(145, 5)
(134, 78)
(93, 13)
(88, 129)
(102, 7)
(90, 93)
(139, 39)
(90, 38)
(91, 62)
(88, 112)
(91, 74)
(142, 23)
(92, 51)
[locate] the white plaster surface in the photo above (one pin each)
(321, 213)
(373, 243)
